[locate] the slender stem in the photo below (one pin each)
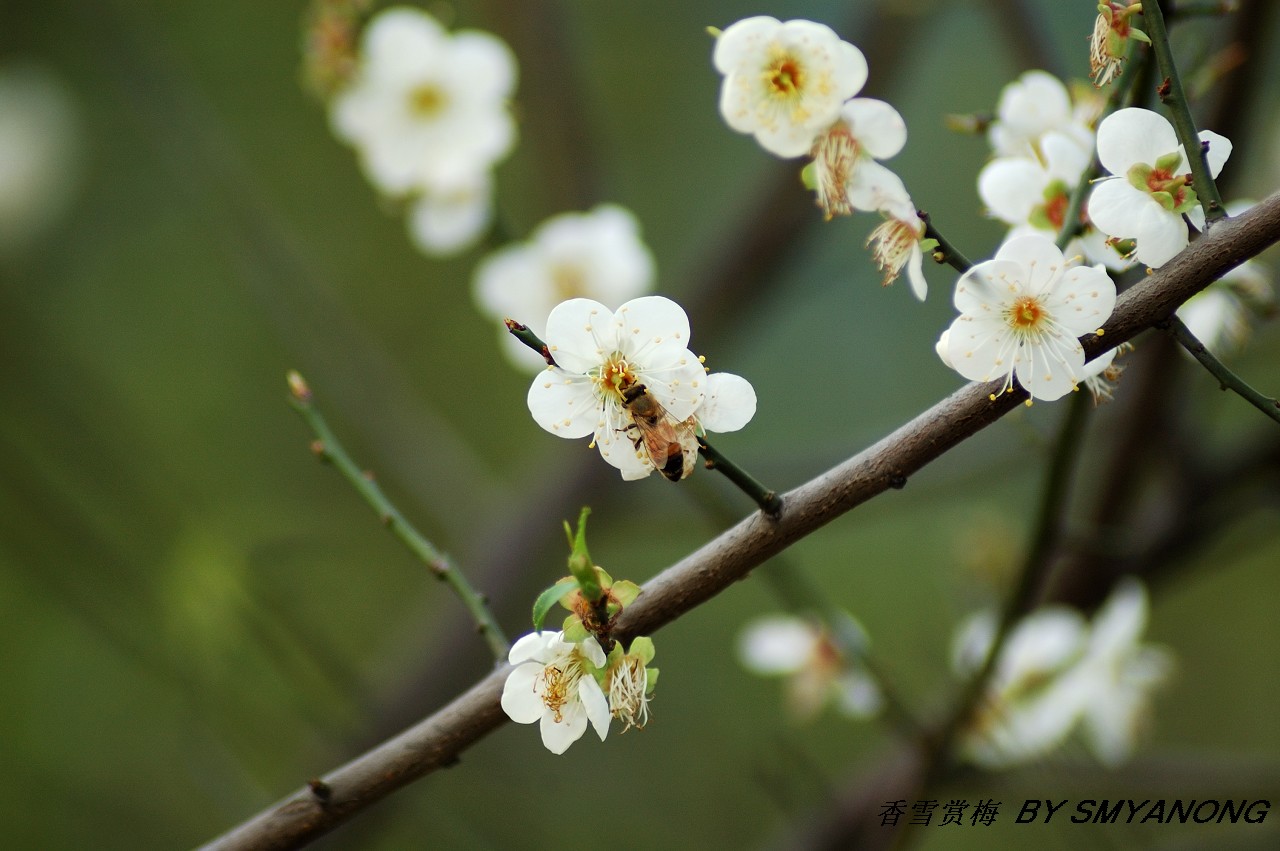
(1227, 379)
(1175, 98)
(767, 499)
(945, 252)
(328, 448)
(1035, 566)
(770, 501)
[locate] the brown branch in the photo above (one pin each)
(437, 741)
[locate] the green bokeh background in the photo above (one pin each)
(196, 617)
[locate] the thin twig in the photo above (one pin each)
(1175, 98)
(945, 252)
(1227, 379)
(327, 447)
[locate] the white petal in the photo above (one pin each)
(915, 273)
(742, 41)
(1011, 187)
(614, 440)
(1082, 299)
(580, 334)
(944, 353)
(1120, 622)
(564, 403)
(485, 62)
(533, 645)
(1049, 373)
(442, 223)
(776, 644)
(1159, 236)
(874, 187)
(591, 650)
(729, 405)
(876, 125)
(1114, 207)
(520, 700)
(595, 705)
(983, 290)
(652, 330)
(1065, 158)
(557, 737)
(1219, 150)
(1134, 135)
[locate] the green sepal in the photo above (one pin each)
(1189, 201)
(651, 680)
(1164, 199)
(1039, 218)
(1137, 176)
(1139, 35)
(809, 176)
(548, 598)
(1169, 161)
(625, 592)
(929, 245)
(642, 648)
(574, 631)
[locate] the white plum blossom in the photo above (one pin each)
(597, 255)
(601, 353)
(554, 685)
(1021, 314)
(899, 242)
(427, 113)
(846, 170)
(1026, 710)
(1116, 675)
(1148, 194)
(1035, 104)
(785, 83)
(816, 672)
(1035, 190)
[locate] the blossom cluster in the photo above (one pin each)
(1057, 673)
(426, 111)
(793, 86)
(564, 685)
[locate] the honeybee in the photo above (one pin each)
(671, 445)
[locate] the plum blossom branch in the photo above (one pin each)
(1175, 98)
(327, 448)
(1227, 379)
(437, 741)
(945, 252)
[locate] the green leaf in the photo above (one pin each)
(549, 598)
(651, 680)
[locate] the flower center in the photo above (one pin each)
(1026, 314)
(555, 690)
(568, 280)
(427, 100)
(835, 155)
(615, 375)
(785, 76)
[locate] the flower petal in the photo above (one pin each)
(1134, 135)
(1219, 150)
(564, 403)
(520, 699)
(557, 736)
(1011, 187)
(876, 125)
(1083, 299)
(595, 705)
(580, 334)
(730, 403)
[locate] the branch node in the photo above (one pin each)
(321, 790)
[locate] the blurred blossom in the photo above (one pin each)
(427, 112)
(845, 156)
(1055, 672)
(1034, 105)
(815, 670)
(1025, 712)
(785, 83)
(1117, 674)
(39, 153)
(597, 255)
